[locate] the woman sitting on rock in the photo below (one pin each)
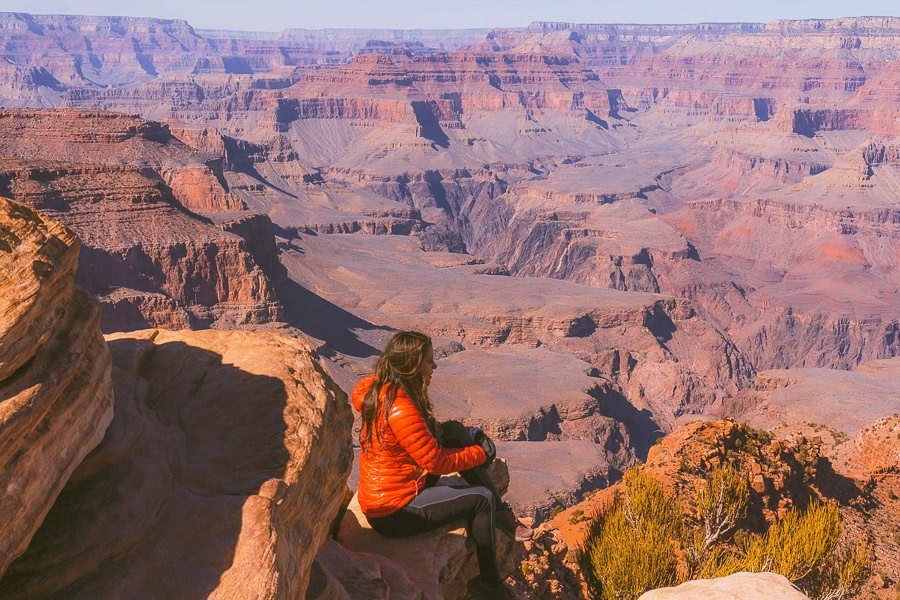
(405, 451)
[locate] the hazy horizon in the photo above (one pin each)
(404, 14)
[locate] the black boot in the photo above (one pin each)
(479, 589)
(507, 522)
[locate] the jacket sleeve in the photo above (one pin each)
(412, 433)
(360, 390)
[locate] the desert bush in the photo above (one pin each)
(720, 563)
(640, 541)
(841, 577)
(798, 544)
(630, 546)
(803, 548)
(721, 502)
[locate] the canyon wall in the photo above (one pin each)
(745, 172)
(135, 195)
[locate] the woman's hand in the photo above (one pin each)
(487, 445)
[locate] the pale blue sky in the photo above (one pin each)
(265, 15)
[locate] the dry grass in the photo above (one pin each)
(640, 541)
(721, 502)
(629, 547)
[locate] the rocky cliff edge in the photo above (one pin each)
(226, 450)
(153, 464)
(55, 392)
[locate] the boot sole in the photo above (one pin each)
(518, 538)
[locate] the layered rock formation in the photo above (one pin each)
(55, 391)
(402, 140)
(133, 192)
(226, 455)
(730, 188)
(847, 401)
(626, 339)
(833, 226)
(49, 54)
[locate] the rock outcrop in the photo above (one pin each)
(218, 477)
(878, 446)
(56, 396)
(781, 473)
(784, 470)
(547, 568)
(430, 566)
(740, 586)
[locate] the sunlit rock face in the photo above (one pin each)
(228, 452)
(740, 586)
(55, 390)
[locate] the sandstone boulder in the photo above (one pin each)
(339, 573)
(431, 566)
(55, 390)
(740, 586)
(215, 479)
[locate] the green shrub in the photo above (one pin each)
(841, 576)
(639, 541)
(798, 545)
(575, 517)
(630, 546)
(721, 502)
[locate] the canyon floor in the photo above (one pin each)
(610, 231)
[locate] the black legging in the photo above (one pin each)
(437, 505)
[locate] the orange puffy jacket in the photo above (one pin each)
(393, 470)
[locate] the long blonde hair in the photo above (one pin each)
(399, 369)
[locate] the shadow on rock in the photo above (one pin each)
(642, 429)
(156, 509)
(846, 491)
